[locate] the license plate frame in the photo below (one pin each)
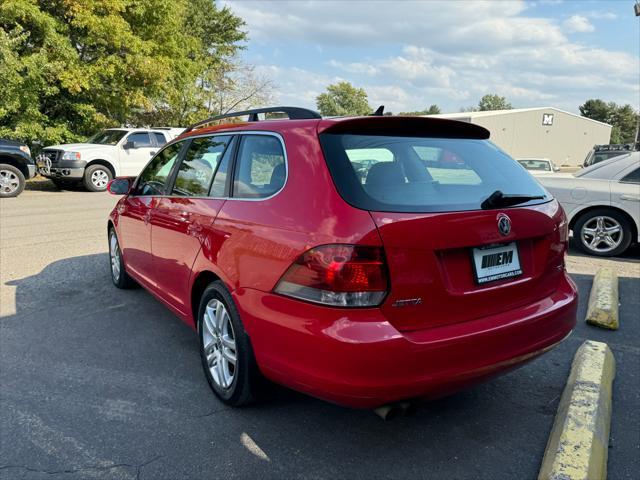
(492, 263)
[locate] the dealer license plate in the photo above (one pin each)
(496, 263)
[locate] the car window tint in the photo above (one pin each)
(220, 178)
(160, 138)
(446, 167)
(260, 171)
(153, 178)
(141, 139)
(198, 166)
(633, 177)
(425, 174)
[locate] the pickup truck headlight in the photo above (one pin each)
(71, 156)
(25, 149)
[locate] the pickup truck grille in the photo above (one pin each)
(53, 155)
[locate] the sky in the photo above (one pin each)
(410, 54)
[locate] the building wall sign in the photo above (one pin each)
(547, 119)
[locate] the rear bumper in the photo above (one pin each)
(357, 358)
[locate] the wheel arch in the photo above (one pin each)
(202, 280)
(629, 218)
(9, 160)
(104, 163)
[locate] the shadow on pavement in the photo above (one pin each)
(95, 376)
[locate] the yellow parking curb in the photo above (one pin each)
(578, 444)
(602, 309)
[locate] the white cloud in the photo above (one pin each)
(578, 23)
(408, 55)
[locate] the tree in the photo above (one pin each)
(623, 118)
(431, 110)
(493, 102)
(343, 99)
(69, 68)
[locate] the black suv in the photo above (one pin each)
(16, 166)
(600, 153)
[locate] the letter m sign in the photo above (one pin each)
(547, 119)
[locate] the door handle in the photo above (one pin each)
(185, 216)
(633, 198)
(152, 154)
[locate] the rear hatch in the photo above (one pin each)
(453, 255)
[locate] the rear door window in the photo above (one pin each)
(159, 138)
(260, 169)
(422, 174)
(141, 139)
(199, 165)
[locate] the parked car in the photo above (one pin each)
(602, 203)
(361, 289)
(600, 153)
(538, 166)
(107, 154)
(16, 167)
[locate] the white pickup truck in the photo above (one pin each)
(109, 153)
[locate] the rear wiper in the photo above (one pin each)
(498, 199)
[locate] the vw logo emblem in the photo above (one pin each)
(504, 224)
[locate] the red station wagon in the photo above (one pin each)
(364, 260)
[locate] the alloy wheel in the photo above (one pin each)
(9, 181)
(218, 340)
(100, 178)
(114, 253)
(601, 234)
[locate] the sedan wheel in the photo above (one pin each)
(219, 344)
(603, 232)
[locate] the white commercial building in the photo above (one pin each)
(542, 132)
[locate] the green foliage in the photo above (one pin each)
(343, 99)
(71, 67)
(493, 102)
(623, 118)
(432, 110)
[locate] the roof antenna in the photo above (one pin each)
(379, 112)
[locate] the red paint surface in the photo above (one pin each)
(461, 333)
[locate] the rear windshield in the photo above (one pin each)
(418, 174)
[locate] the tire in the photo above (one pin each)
(119, 275)
(97, 177)
(603, 232)
(244, 385)
(12, 181)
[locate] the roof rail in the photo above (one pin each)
(294, 113)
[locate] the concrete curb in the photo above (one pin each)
(602, 310)
(578, 444)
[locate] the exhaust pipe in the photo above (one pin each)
(393, 410)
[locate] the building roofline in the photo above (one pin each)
(491, 113)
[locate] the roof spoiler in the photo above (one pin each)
(406, 127)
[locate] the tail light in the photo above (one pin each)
(337, 275)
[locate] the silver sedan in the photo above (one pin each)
(602, 203)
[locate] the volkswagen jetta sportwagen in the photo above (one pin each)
(360, 260)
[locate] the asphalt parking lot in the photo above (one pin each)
(101, 383)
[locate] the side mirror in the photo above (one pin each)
(120, 185)
(130, 145)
